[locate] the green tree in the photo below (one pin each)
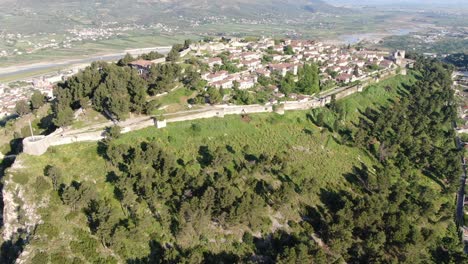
(102, 220)
(187, 43)
(153, 55)
(287, 84)
(113, 132)
(22, 108)
(214, 95)
(288, 50)
(174, 54)
(63, 116)
(37, 100)
(319, 121)
(309, 81)
(125, 60)
(137, 87)
(55, 174)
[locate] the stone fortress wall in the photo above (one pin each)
(39, 144)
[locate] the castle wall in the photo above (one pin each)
(42, 143)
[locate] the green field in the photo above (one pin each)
(102, 47)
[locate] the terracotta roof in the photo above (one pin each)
(280, 66)
(216, 59)
(344, 77)
(142, 63)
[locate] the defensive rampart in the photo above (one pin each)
(39, 144)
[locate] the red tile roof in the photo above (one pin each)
(142, 63)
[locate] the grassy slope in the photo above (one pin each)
(314, 152)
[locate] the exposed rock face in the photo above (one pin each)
(18, 214)
(20, 211)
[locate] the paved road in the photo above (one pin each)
(31, 68)
(460, 212)
(461, 192)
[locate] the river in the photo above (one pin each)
(43, 66)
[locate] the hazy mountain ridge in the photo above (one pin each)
(122, 9)
(29, 16)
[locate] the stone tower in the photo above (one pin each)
(399, 57)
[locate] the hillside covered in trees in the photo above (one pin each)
(118, 89)
(340, 184)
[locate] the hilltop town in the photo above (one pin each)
(240, 64)
(12, 93)
(233, 131)
(262, 67)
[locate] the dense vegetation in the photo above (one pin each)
(170, 200)
(412, 138)
(24, 107)
(113, 89)
(460, 60)
(118, 89)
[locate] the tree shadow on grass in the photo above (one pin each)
(47, 125)
(205, 158)
(102, 150)
(230, 149)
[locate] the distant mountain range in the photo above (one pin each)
(145, 9)
(28, 16)
(421, 4)
(246, 7)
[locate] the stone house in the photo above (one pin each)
(142, 66)
(284, 68)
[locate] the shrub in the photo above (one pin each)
(59, 258)
(47, 229)
(40, 258)
(21, 178)
(195, 128)
(41, 185)
(113, 132)
(85, 245)
(72, 215)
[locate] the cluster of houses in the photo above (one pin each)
(237, 63)
(252, 60)
(18, 44)
(8, 99)
(265, 57)
(10, 95)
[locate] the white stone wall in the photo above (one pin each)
(39, 147)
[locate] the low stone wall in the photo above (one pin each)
(195, 115)
(64, 140)
(185, 52)
(40, 145)
(348, 92)
(247, 109)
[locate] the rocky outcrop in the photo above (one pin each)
(20, 212)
